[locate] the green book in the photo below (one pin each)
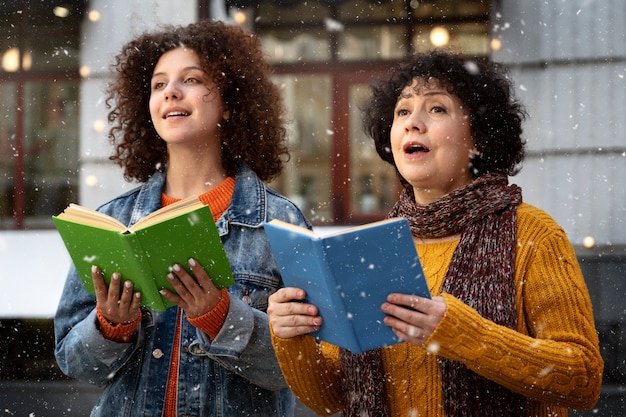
(145, 252)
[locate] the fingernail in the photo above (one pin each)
(176, 268)
(137, 295)
(162, 292)
(170, 276)
(116, 276)
(128, 284)
(94, 268)
(192, 262)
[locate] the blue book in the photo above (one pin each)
(348, 276)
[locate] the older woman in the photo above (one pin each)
(509, 330)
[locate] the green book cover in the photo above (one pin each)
(144, 253)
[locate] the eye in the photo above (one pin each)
(400, 112)
(191, 80)
(438, 109)
(157, 85)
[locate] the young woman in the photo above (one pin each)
(509, 330)
(195, 113)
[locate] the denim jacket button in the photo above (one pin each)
(157, 353)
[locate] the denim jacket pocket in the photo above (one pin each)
(254, 290)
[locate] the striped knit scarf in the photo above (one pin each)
(481, 274)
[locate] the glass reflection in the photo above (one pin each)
(305, 178)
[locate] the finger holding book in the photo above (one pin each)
(412, 318)
(116, 305)
(289, 316)
(197, 296)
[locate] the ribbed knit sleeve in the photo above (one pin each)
(311, 371)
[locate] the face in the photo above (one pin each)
(185, 105)
(431, 140)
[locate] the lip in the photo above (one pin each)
(175, 112)
(414, 149)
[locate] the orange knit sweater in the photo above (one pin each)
(553, 359)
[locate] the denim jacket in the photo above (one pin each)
(234, 375)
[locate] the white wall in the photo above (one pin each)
(33, 265)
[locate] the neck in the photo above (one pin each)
(193, 175)
(426, 196)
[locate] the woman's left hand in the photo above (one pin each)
(413, 319)
(196, 296)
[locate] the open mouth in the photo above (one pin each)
(176, 113)
(412, 148)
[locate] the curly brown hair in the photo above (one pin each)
(482, 86)
(254, 135)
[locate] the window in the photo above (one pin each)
(39, 90)
(325, 54)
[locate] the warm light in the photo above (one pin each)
(496, 44)
(60, 11)
(240, 17)
(589, 242)
(91, 180)
(93, 15)
(439, 36)
(98, 126)
(84, 71)
(11, 60)
(27, 61)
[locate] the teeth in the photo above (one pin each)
(177, 113)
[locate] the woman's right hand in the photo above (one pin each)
(116, 304)
(289, 316)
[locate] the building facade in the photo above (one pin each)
(568, 61)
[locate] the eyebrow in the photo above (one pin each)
(410, 92)
(186, 69)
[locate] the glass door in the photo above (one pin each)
(373, 183)
(334, 175)
(365, 186)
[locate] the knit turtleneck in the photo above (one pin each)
(217, 198)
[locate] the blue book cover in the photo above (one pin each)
(348, 276)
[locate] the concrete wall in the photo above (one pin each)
(568, 59)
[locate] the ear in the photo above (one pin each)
(226, 115)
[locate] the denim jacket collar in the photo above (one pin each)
(248, 206)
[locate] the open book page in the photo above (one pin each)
(303, 230)
(185, 205)
(79, 214)
(84, 215)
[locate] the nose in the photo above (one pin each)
(172, 92)
(415, 121)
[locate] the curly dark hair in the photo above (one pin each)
(254, 134)
(484, 89)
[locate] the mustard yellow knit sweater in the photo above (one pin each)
(553, 359)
